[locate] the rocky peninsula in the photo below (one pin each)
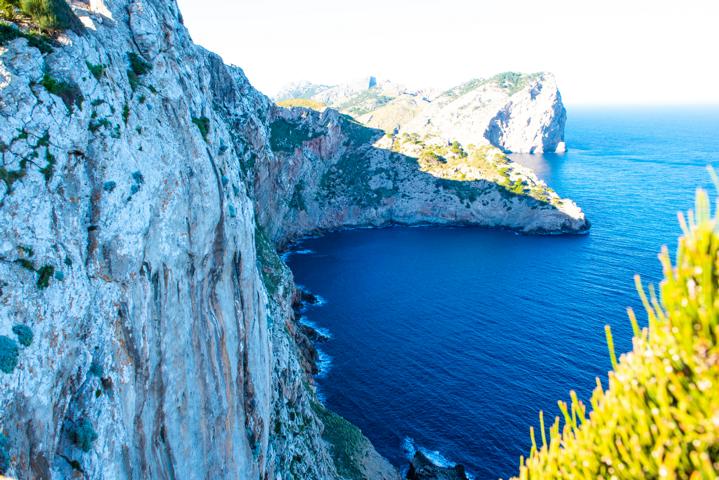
(147, 327)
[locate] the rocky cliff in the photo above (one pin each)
(515, 112)
(146, 320)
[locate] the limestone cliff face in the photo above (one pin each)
(144, 187)
(334, 172)
(128, 247)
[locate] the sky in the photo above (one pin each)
(603, 52)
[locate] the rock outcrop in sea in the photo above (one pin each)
(147, 327)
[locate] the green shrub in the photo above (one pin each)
(138, 65)
(24, 334)
(49, 167)
(51, 14)
(9, 352)
(138, 68)
(97, 70)
(4, 454)
(659, 416)
(96, 125)
(203, 124)
(9, 32)
(44, 275)
(47, 15)
(83, 435)
(69, 92)
(286, 136)
(348, 444)
(10, 177)
(96, 368)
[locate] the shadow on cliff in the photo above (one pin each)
(351, 173)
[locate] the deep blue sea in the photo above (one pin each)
(453, 339)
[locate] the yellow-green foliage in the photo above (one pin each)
(659, 416)
(302, 102)
(46, 15)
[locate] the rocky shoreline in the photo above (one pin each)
(145, 188)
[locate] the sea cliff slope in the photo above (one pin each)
(147, 327)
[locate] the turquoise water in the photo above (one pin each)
(452, 339)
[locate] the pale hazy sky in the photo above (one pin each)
(602, 51)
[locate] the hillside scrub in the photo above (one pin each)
(45, 15)
(659, 415)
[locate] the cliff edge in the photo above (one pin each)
(146, 320)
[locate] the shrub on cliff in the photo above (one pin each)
(83, 435)
(9, 353)
(47, 15)
(659, 416)
(4, 454)
(24, 334)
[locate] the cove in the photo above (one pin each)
(453, 339)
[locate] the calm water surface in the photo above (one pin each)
(452, 339)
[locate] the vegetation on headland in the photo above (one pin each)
(302, 102)
(511, 82)
(456, 162)
(659, 415)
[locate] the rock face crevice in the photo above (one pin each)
(143, 196)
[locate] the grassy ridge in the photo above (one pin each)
(659, 416)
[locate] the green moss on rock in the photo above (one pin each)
(9, 352)
(24, 334)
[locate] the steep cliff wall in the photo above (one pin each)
(144, 187)
(330, 171)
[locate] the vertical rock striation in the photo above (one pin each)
(145, 185)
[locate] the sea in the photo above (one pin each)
(451, 340)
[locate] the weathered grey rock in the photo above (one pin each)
(138, 220)
(422, 468)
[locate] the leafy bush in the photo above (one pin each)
(97, 70)
(24, 334)
(96, 368)
(69, 92)
(9, 352)
(286, 136)
(83, 435)
(44, 275)
(203, 124)
(138, 64)
(138, 68)
(658, 417)
(47, 15)
(4, 454)
(9, 32)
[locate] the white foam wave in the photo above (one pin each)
(322, 331)
(288, 253)
(324, 364)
